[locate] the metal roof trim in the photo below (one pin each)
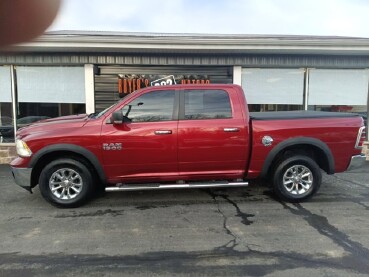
(153, 42)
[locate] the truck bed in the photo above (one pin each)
(297, 115)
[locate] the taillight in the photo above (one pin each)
(361, 137)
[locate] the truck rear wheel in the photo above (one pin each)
(66, 183)
(296, 178)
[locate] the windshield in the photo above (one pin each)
(98, 115)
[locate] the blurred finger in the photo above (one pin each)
(23, 20)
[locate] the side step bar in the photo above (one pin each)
(134, 187)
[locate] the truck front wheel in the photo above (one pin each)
(66, 183)
(296, 178)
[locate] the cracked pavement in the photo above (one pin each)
(199, 232)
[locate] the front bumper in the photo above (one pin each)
(358, 164)
(22, 177)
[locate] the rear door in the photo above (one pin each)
(212, 134)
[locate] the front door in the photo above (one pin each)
(148, 144)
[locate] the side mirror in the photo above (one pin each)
(117, 117)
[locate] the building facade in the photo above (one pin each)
(68, 73)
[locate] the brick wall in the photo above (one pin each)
(7, 153)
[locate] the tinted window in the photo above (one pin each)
(207, 104)
(152, 106)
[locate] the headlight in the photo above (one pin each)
(23, 149)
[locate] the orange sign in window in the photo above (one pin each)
(130, 83)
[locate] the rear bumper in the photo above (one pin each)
(358, 164)
(22, 177)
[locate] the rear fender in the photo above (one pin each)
(294, 142)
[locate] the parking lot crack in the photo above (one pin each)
(74, 214)
(245, 219)
(233, 242)
(234, 263)
(363, 205)
(350, 181)
(321, 224)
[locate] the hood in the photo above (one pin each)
(52, 124)
(77, 117)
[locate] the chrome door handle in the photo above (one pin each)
(230, 130)
(163, 132)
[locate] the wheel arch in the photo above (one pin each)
(52, 152)
(312, 147)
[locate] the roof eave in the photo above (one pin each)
(198, 44)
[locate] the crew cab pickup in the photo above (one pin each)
(185, 136)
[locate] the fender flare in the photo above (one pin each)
(87, 154)
(295, 142)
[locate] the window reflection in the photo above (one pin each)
(6, 123)
(207, 104)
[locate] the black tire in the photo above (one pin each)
(73, 177)
(296, 178)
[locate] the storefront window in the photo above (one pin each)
(273, 89)
(338, 90)
(46, 92)
(40, 93)
(6, 115)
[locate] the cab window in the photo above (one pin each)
(207, 104)
(150, 107)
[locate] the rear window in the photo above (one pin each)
(207, 104)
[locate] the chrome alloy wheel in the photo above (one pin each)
(65, 183)
(298, 179)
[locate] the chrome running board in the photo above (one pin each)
(133, 187)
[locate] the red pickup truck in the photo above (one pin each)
(185, 136)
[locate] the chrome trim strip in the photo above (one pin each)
(231, 129)
(163, 132)
(134, 187)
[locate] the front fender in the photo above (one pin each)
(70, 148)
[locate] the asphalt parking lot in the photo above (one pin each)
(228, 232)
